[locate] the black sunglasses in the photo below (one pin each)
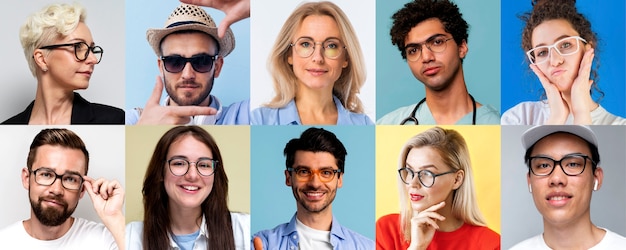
(200, 63)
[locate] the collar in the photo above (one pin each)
(288, 115)
(203, 233)
(335, 229)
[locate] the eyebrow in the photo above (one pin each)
(75, 40)
(428, 39)
(422, 167)
(556, 39)
(54, 170)
(327, 38)
(565, 155)
(187, 158)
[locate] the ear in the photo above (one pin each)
(463, 49)
(599, 176)
(25, 178)
(40, 59)
(530, 189)
(290, 59)
(82, 192)
(287, 178)
(345, 63)
(161, 69)
(340, 180)
(458, 179)
(218, 66)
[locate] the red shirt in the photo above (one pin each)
(389, 236)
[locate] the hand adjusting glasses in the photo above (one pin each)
(306, 174)
(572, 164)
(426, 177)
(180, 166)
(565, 47)
(81, 50)
(331, 48)
(47, 177)
(435, 44)
(200, 63)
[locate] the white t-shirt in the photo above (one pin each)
(611, 241)
(537, 113)
(311, 238)
(82, 235)
(241, 231)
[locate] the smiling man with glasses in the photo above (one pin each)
(563, 172)
(190, 57)
(314, 171)
(432, 38)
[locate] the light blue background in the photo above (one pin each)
(521, 84)
(397, 87)
(272, 202)
(232, 85)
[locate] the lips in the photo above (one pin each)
(416, 197)
(314, 195)
(86, 73)
(53, 201)
(558, 199)
(430, 71)
(189, 188)
(317, 72)
(557, 72)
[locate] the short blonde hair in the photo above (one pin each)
(453, 151)
(352, 77)
(46, 25)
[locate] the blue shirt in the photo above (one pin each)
(237, 113)
(285, 237)
(288, 115)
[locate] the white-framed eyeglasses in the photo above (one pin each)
(565, 47)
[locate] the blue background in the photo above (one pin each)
(397, 87)
(607, 20)
(272, 202)
(232, 85)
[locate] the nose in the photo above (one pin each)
(558, 176)
(318, 55)
(188, 73)
(555, 58)
(192, 172)
(315, 180)
(56, 187)
(427, 54)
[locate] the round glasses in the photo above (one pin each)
(200, 63)
(565, 47)
(81, 50)
(426, 177)
(331, 48)
(46, 177)
(572, 165)
(180, 167)
(435, 44)
(305, 174)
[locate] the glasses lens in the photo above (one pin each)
(174, 64)
(178, 167)
(304, 47)
(438, 44)
(332, 48)
(201, 63)
(81, 50)
(427, 178)
(573, 165)
(567, 46)
(72, 181)
(406, 175)
(413, 52)
(541, 165)
(44, 176)
(205, 167)
(97, 51)
(326, 175)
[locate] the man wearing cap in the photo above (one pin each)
(190, 55)
(563, 172)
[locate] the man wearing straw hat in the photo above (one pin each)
(190, 55)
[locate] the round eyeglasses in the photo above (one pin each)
(200, 63)
(81, 50)
(331, 48)
(572, 165)
(180, 166)
(435, 44)
(565, 47)
(46, 177)
(306, 174)
(426, 177)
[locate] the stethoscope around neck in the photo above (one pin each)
(414, 119)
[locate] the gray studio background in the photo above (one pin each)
(520, 218)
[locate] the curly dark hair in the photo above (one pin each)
(546, 10)
(418, 11)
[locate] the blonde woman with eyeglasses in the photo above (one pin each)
(560, 47)
(317, 69)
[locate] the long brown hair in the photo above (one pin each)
(157, 219)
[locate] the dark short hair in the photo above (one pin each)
(418, 11)
(595, 153)
(56, 137)
(316, 140)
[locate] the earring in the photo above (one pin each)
(45, 69)
(530, 188)
(595, 186)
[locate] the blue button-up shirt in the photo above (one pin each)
(285, 237)
(288, 115)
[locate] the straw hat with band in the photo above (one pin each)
(531, 136)
(190, 17)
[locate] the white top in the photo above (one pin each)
(611, 240)
(537, 113)
(83, 234)
(241, 233)
(312, 239)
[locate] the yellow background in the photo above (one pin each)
(483, 143)
(234, 144)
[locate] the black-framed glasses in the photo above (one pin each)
(426, 177)
(331, 48)
(564, 47)
(306, 174)
(81, 50)
(435, 44)
(180, 166)
(572, 164)
(47, 176)
(200, 63)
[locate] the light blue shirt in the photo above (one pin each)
(288, 115)
(285, 237)
(484, 115)
(237, 113)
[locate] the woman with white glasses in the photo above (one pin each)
(560, 47)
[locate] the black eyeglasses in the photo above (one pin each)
(200, 63)
(81, 50)
(426, 177)
(572, 164)
(46, 177)
(180, 166)
(306, 174)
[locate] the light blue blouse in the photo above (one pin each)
(288, 115)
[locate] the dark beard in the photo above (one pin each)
(185, 101)
(49, 216)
